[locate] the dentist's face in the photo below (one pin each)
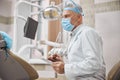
(76, 19)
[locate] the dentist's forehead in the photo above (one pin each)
(68, 12)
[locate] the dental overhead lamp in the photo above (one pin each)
(52, 12)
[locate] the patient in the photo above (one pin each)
(13, 67)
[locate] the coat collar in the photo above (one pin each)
(77, 29)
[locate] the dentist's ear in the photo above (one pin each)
(80, 19)
(7, 39)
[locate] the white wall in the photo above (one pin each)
(6, 8)
(7, 11)
(108, 24)
(102, 1)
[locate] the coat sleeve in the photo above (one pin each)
(92, 50)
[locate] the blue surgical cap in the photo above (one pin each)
(71, 5)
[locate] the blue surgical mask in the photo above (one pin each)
(66, 24)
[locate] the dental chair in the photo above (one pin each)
(114, 73)
(13, 67)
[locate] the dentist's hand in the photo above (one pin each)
(58, 67)
(55, 58)
(57, 63)
(7, 39)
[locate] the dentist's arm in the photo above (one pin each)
(7, 39)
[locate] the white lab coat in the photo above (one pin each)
(85, 55)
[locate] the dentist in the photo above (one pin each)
(85, 50)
